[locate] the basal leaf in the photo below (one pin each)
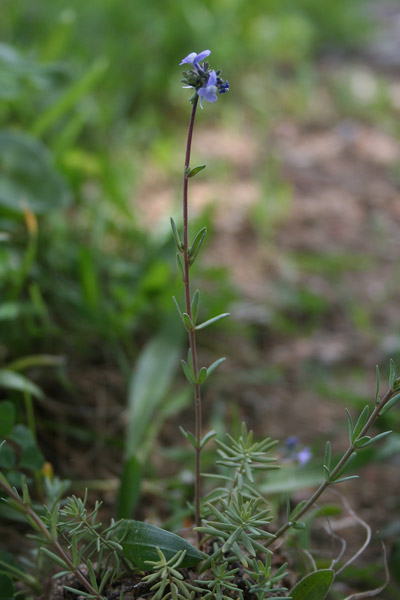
(314, 586)
(140, 542)
(128, 494)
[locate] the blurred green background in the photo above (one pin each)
(299, 196)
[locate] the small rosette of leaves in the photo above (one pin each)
(238, 527)
(244, 456)
(167, 581)
(261, 580)
(222, 581)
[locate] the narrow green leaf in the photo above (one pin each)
(187, 372)
(197, 244)
(79, 592)
(129, 488)
(187, 321)
(299, 525)
(350, 425)
(214, 365)
(150, 381)
(207, 437)
(378, 437)
(54, 557)
(190, 363)
(178, 308)
(328, 456)
(361, 441)
(378, 384)
(341, 479)
(361, 421)
(190, 437)
(296, 510)
(195, 170)
(390, 404)
(202, 376)
(175, 233)
(140, 541)
(314, 586)
(195, 305)
(213, 320)
(392, 374)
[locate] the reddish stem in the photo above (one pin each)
(192, 334)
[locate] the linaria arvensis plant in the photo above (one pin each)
(233, 521)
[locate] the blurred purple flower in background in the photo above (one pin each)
(304, 456)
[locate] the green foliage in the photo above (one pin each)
(7, 589)
(168, 580)
(140, 542)
(314, 586)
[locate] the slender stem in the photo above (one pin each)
(192, 334)
(33, 517)
(352, 448)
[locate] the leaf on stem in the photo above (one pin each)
(213, 320)
(202, 376)
(195, 305)
(207, 437)
(368, 441)
(378, 383)
(392, 374)
(190, 437)
(328, 456)
(187, 321)
(390, 404)
(361, 421)
(192, 172)
(197, 244)
(175, 233)
(187, 372)
(350, 425)
(214, 365)
(178, 308)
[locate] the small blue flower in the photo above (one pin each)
(223, 88)
(209, 91)
(304, 456)
(291, 442)
(194, 59)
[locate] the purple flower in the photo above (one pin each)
(304, 456)
(209, 91)
(291, 442)
(193, 58)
